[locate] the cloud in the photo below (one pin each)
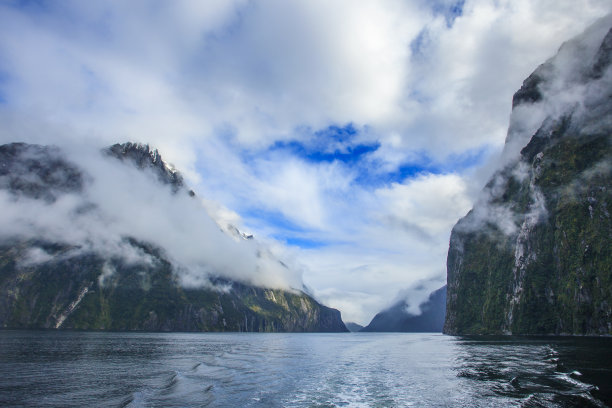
(415, 295)
(430, 203)
(394, 238)
(564, 91)
(119, 201)
(216, 86)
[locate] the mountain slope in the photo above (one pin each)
(534, 255)
(52, 276)
(397, 318)
(353, 327)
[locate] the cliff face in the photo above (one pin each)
(397, 318)
(53, 284)
(534, 255)
(92, 293)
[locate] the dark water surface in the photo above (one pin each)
(76, 369)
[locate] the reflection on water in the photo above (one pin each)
(45, 369)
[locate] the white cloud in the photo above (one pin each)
(120, 201)
(398, 238)
(428, 203)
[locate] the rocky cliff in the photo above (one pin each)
(398, 319)
(57, 283)
(534, 255)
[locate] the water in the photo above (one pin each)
(76, 369)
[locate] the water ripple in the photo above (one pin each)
(48, 369)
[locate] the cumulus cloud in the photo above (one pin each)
(428, 204)
(401, 238)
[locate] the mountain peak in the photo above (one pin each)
(144, 157)
(398, 319)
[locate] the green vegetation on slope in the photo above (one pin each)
(86, 292)
(552, 274)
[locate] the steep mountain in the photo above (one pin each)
(54, 275)
(353, 327)
(534, 255)
(143, 157)
(398, 319)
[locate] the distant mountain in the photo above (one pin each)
(49, 280)
(397, 318)
(534, 255)
(353, 327)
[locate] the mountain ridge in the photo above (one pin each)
(47, 283)
(397, 318)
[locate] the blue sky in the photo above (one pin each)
(347, 136)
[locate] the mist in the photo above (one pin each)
(567, 88)
(416, 295)
(118, 201)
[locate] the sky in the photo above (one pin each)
(349, 136)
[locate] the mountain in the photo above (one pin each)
(353, 327)
(398, 319)
(67, 262)
(534, 255)
(143, 157)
